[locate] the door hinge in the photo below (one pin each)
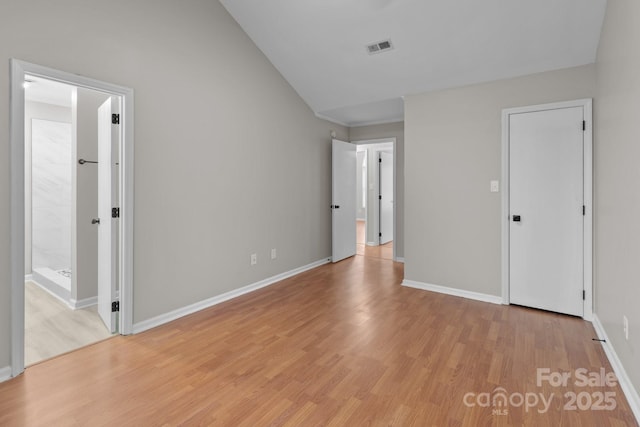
(584, 210)
(379, 234)
(380, 197)
(584, 295)
(584, 125)
(115, 119)
(115, 212)
(115, 306)
(379, 159)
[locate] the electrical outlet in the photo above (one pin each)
(625, 325)
(254, 259)
(274, 254)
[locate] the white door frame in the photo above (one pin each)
(587, 105)
(17, 166)
(395, 192)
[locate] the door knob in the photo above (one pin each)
(335, 206)
(95, 221)
(516, 218)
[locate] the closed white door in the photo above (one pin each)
(343, 200)
(108, 140)
(546, 200)
(385, 163)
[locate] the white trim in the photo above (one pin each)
(400, 259)
(493, 299)
(16, 125)
(16, 99)
(28, 277)
(52, 293)
(588, 217)
(71, 303)
(5, 373)
(625, 382)
(190, 309)
(359, 124)
(82, 303)
(329, 119)
(376, 122)
(587, 105)
(87, 302)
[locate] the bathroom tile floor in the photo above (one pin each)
(52, 328)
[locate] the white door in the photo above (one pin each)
(546, 210)
(385, 163)
(108, 140)
(343, 200)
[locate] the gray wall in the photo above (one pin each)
(452, 151)
(84, 280)
(35, 110)
(390, 130)
(221, 143)
(617, 179)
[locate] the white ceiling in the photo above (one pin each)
(320, 46)
(47, 91)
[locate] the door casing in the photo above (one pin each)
(587, 105)
(17, 211)
(391, 140)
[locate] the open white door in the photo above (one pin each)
(546, 209)
(343, 204)
(385, 164)
(108, 140)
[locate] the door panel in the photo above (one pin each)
(386, 197)
(108, 140)
(343, 204)
(546, 220)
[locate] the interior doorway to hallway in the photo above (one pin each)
(375, 208)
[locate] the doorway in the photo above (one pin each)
(375, 183)
(547, 175)
(61, 193)
(22, 74)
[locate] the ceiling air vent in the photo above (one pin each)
(379, 47)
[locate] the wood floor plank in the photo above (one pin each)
(343, 344)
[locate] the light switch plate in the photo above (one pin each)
(495, 186)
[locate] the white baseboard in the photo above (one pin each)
(453, 291)
(71, 303)
(400, 259)
(28, 277)
(83, 303)
(5, 373)
(623, 379)
(190, 309)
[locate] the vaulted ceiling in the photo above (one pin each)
(319, 46)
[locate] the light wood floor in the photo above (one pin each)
(341, 345)
(52, 328)
(382, 251)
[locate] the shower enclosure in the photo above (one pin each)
(51, 197)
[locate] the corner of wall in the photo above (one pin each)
(5, 373)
